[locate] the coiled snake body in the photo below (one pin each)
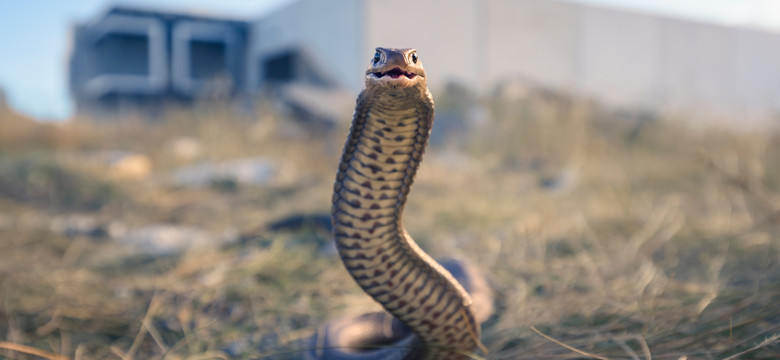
(389, 132)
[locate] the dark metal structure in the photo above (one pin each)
(132, 58)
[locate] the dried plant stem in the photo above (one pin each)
(578, 351)
(32, 351)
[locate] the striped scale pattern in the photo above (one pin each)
(381, 156)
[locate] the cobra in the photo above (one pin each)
(430, 313)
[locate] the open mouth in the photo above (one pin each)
(395, 74)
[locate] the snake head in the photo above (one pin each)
(396, 68)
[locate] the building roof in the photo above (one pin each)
(169, 14)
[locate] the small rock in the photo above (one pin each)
(132, 167)
(77, 225)
(563, 181)
(166, 239)
(185, 148)
(124, 164)
(250, 171)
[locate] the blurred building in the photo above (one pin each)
(618, 57)
(131, 58)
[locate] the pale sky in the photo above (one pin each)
(34, 36)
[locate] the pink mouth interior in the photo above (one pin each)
(395, 74)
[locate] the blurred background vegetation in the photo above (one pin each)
(201, 235)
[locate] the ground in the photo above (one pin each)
(604, 233)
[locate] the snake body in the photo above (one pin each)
(433, 313)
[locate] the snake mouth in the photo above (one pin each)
(395, 73)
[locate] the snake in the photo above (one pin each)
(429, 311)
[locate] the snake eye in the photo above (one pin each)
(377, 56)
(414, 57)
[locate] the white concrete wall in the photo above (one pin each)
(757, 58)
(529, 40)
(720, 70)
(330, 32)
(442, 31)
(635, 60)
(699, 67)
(620, 57)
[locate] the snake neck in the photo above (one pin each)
(381, 157)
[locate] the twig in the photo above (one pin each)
(32, 351)
(181, 341)
(627, 349)
(738, 181)
(118, 352)
(645, 348)
(155, 334)
(144, 329)
(578, 351)
(768, 341)
(746, 340)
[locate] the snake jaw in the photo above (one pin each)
(396, 77)
(395, 73)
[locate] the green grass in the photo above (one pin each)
(665, 246)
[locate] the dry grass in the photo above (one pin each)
(660, 242)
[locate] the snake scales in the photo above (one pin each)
(433, 316)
